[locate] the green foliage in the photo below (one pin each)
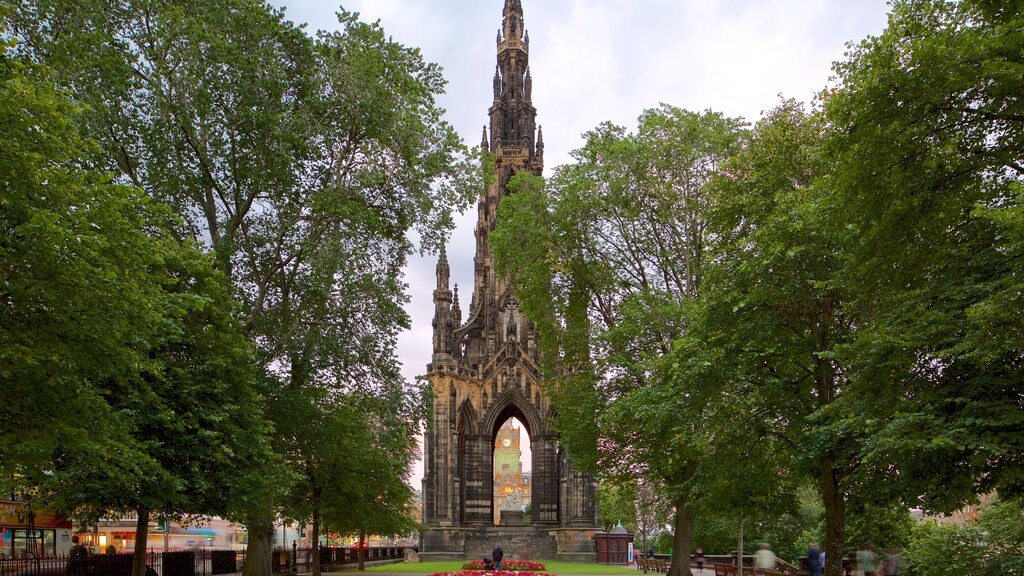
(991, 547)
(945, 550)
(617, 504)
(662, 542)
(885, 526)
(789, 529)
(301, 163)
(1003, 525)
(127, 383)
(605, 259)
(927, 141)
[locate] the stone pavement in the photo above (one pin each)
(695, 571)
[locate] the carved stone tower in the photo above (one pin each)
(485, 370)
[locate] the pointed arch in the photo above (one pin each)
(512, 404)
(466, 420)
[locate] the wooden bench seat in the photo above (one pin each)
(725, 570)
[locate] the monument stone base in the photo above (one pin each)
(518, 542)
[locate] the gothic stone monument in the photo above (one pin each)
(485, 371)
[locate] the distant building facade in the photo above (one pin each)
(511, 484)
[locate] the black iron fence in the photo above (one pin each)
(301, 559)
(198, 562)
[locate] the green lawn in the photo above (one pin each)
(558, 568)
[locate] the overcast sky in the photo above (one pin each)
(606, 60)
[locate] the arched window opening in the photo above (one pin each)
(512, 473)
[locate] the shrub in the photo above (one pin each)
(942, 550)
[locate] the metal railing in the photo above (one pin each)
(197, 562)
(301, 559)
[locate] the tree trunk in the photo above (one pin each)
(315, 540)
(835, 512)
(362, 554)
(683, 539)
(261, 543)
(739, 547)
(141, 537)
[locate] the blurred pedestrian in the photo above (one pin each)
(813, 560)
(764, 558)
(867, 561)
(893, 563)
(698, 557)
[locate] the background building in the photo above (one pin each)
(511, 484)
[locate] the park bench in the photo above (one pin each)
(725, 570)
(652, 565)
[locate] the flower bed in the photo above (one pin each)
(506, 566)
(487, 573)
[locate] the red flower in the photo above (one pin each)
(485, 573)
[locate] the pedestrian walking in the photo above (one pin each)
(867, 561)
(764, 558)
(698, 557)
(813, 560)
(893, 563)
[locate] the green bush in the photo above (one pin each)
(1003, 526)
(881, 525)
(992, 547)
(943, 550)
(662, 542)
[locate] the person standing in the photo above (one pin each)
(497, 555)
(813, 560)
(78, 557)
(698, 557)
(764, 558)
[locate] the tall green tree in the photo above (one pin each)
(772, 314)
(618, 247)
(300, 162)
(354, 460)
(928, 139)
(128, 386)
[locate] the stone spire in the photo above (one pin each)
(494, 319)
(442, 309)
(513, 118)
(443, 271)
(513, 25)
(456, 314)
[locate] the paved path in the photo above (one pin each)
(695, 571)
